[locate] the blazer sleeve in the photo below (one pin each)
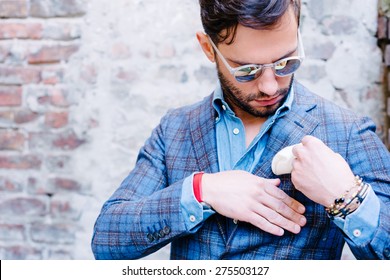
(370, 159)
(144, 213)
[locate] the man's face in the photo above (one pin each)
(264, 95)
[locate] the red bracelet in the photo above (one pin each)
(197, 185)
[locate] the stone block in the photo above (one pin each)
(339, 25)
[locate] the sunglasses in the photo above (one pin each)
(283, 67)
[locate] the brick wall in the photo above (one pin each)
(83, 83)
(39, 209)
(384, 42)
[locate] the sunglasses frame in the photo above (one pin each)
(261, 67)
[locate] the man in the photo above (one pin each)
(203, 180)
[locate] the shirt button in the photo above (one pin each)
(236, 131)
(224, 107)
(357, 233)
(217, 119)
(192, 218)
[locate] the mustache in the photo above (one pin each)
(262, 95)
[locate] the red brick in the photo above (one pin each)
(53, 8)
(56, 119)
(20, 30)
(4, 52)
(65, 207)
(12, 232)
(14, 8)
(52, 76)
(64, 140)
(37, 187)
(11, 140)
(382, 27)
(20, 162)
(8, 185)
(51, 54)
(63, 31)
(64, 184)
(10, 95)
(6, 118)
(61, 97)
(19, 252)
(53, 233)
(387, 55)
(60, 255)
(67, 140)
(59, 163)
(24, 206)
(25, 116)
(17, 75)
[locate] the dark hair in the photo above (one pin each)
(221, 17)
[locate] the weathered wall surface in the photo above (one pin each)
(83, 83)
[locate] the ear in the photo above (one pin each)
(204, 43)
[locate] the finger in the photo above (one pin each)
(264, 224)
(297, 150)
(280, 195)
(274, 182)
(286, 212)
(276, 219)
(306, 140)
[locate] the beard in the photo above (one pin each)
(234, 96)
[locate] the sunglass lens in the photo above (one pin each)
(246, 74)
(287, 67)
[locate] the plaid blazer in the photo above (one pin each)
(144, 213)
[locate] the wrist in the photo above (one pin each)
(197, 186)
(350, 200)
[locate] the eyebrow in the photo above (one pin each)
(246, 63)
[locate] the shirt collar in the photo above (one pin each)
(220, 104)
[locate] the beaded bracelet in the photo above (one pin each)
(350, 200)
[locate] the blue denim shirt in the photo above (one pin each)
(233, 154)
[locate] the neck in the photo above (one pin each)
(251, 123)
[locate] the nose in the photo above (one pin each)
(267, 82)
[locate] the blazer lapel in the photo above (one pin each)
(202, 129)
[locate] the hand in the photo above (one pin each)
(319, 173)
(245, 197)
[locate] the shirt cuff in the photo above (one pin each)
(360, 226)
(194, 213)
